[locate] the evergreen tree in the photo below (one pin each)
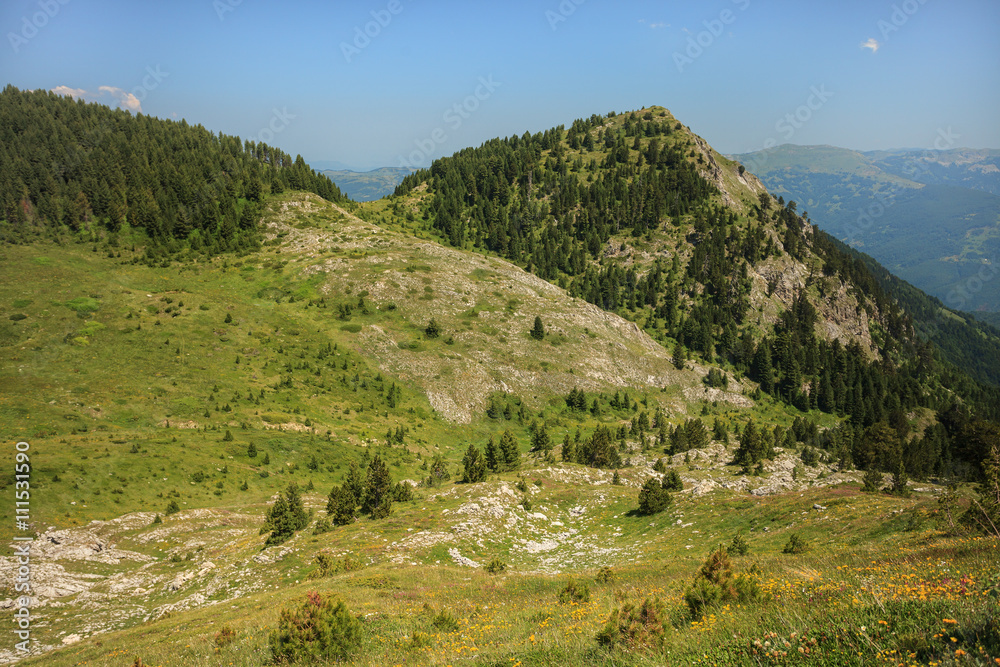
(286, 516)
(341, 506)
(653, 498)
(432, 330)
(752, 446)
(540, 440)
(354, 482)
(509, 452)
(538, 330)
(492, 455)
(377, 502)
(568, 450)
(473, 465)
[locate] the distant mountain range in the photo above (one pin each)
(931, 217)
(368, 185)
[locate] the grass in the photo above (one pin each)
(125, 380)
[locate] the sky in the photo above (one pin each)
(401, 82)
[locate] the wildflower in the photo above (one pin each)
(949, 620)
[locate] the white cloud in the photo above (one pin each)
(125, 100)
(654, 26)
(872, 44)
(72, 92)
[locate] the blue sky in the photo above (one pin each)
(304, 76)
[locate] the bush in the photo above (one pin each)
(795, 544)
(872, 481)
(739, 545)
(653, 498)
(445, 622)
(605, 575)
(715, 584)
(317, 629)
(172, 507)
(672, 481)
(225, 636)
(573, 592)
(496, 566)
(635, 627)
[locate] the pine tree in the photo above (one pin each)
(492, 455)
(540, 440)
(286, 516)
(653, 498)
(340, 506)
(510, 453)
(354, 482)
(474, 466)
(680, 356)
(568, 450)
(377, 502)
(752, 448)
(538, 331)
(432, 330)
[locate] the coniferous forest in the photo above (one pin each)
(71, 166)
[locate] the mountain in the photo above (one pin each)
(931, 217)
(496, 415)
(976, 169)
(368, 185)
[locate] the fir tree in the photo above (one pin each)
(473, 466)
(538, 330)
(377, 502)
(510, 453)
(341, 506)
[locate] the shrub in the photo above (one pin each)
(605, 575)
(172, 507)
(316, 629)
(445, 622)
(225, 636)
(660, 466)
(872, 481)
(795, 544)
(496, 566)
(635, 627)
(573, 592)
(715, 584)
(672, 481)
(739, 546)
(653, 498)
(419, 640)
(433, 330)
